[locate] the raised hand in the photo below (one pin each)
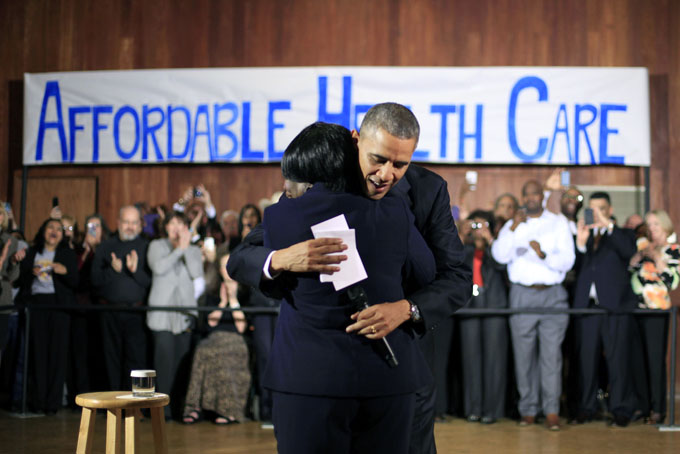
(582, 233)
(116, 263)
(131, 261)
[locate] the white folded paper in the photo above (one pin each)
(351, 270)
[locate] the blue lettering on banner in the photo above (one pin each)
(476, 135)
(580, 127)
(246, 153)
(74, 127)
(272, 153)
(150, 130)
(51, 91)
(541, 87)
(343, 117)
(561, 113)
(126, 109)
(201, 111)
(222, 129)
(444, 110)
(187, 117)
(605, 130)
(96, 127)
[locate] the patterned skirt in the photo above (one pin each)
(220, 378)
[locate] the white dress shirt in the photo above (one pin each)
(525, 267)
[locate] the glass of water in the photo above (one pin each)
(143, 383)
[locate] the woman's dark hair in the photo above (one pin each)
(212, 228)
(106, 232)
(486, 215)
(39, 239)
(243, 212)
(322, 153)
(174, 215)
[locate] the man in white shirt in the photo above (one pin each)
(538, 248)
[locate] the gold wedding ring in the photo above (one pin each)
(373, 331)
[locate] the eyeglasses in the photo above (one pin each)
(479, 225)
(69, 228)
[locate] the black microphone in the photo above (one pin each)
(357, 295)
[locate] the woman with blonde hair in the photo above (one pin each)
(655, 274)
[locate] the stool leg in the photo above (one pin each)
(131, 432)
(85, 435)
(158, 423)
(114, 426)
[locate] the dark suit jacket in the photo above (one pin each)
(427, 196)
(495, 290)
(64, 284)
(312, 354)
(607, 267)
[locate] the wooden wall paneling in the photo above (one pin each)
(77, 197)
(659, 172)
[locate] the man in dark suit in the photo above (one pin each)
(333, 392)
(389, 135)
(603, 253)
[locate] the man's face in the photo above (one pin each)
(602, 206)
(533, 198)
(129, 224)
(571, 202)
(230, 225)
(383, 159)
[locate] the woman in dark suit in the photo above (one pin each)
(484, 340)
(49, 275)
(334, 391)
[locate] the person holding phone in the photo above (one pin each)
(604, 251)
(49, 276)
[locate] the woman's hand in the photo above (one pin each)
(58, 268)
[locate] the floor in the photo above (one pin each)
(58, 434)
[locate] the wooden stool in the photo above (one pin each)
(114, 405)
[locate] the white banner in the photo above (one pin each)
(491, 115)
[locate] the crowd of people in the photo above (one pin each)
(537, 252)
(155, 257)
(534, 252)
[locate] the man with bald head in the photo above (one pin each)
(538, 249)
(120, 276)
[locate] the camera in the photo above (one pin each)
(476, 225)
(197, 192)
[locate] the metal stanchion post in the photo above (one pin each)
(24, 382)
(671, 427)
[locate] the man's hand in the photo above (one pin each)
(380, 320)
(131, 261)
(600, 219)
(116, 263)
(520, 216)
(582, 233)
(311, 256)
(536, 246)
(554, 181)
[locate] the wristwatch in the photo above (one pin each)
(415, 312)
